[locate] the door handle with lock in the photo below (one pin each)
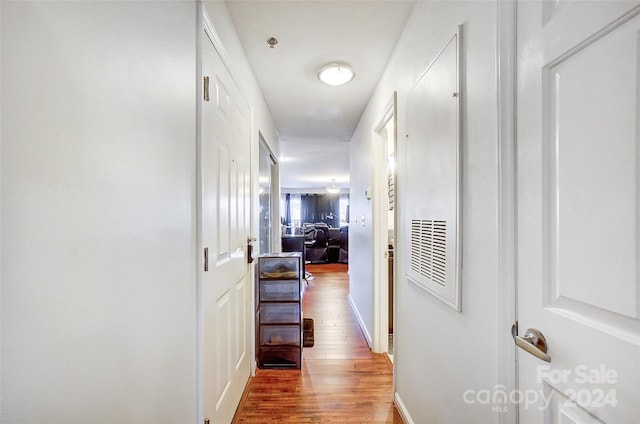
(531, 341)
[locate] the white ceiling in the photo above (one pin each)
(315, 121)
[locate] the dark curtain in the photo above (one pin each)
(320, 208)
(287, 209)
(328, 208)
(308, 208)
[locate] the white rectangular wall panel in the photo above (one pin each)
(433, 174)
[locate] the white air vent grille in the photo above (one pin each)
(429, 249)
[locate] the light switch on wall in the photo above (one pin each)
(362, 221)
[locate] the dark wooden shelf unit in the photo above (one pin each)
(279, 310)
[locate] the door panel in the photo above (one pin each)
(222, 339)
(591, 160)
(223, 205)
(240, 346)
(233, 206)
(225, 227)
(577, 209)
(561, 411)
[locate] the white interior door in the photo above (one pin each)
(225, 228)
(383, 136)
(578, 210)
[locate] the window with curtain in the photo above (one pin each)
(344, 209)
(294, 206)
(299, 209)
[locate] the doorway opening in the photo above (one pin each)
(384, 217)
(267, 192)
(391, 222)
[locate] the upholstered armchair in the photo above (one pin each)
(295, 244)
(315, 244)
(333, 245)
(344, 244)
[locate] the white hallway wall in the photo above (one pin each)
(98, 173)
(98, 235)
(439, 353)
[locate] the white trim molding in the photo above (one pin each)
(402, 409)
(507, 198)
(199, 243)
(211, 32)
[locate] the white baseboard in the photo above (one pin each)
(402, 409)
(363, 327)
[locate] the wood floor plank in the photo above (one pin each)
(341, 380)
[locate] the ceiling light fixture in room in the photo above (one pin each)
(336, 74)
(332, 188)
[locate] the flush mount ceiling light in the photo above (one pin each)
(336, 74)
(332, 188)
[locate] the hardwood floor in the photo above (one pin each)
(341, 381)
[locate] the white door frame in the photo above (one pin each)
(199, 201)
(380, 208)
(507, 212)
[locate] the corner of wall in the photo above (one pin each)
(361, 322)
(402, 409)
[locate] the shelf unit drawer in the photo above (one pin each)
(280, 313)
(275, 357)
(279, 290)
(280, 335)
(285, 267)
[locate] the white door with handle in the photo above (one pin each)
(577, 211)
(226, 282)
